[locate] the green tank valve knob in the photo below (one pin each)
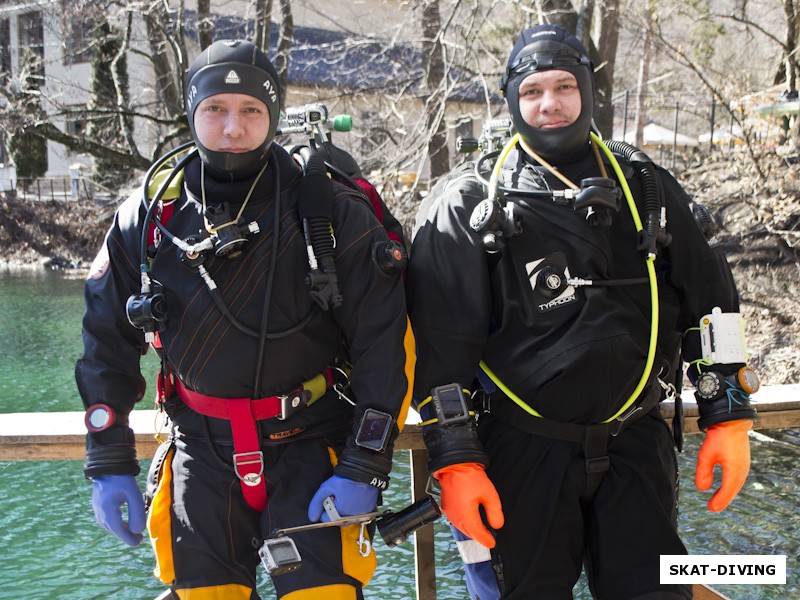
(343, 123)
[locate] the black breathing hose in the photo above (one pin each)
(651, 186)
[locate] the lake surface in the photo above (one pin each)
(52, 549)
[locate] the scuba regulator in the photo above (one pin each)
(147, 310)
(315, 207)
(495, 221)
(227, 237)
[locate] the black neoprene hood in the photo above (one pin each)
(543, 48)
(233, 67)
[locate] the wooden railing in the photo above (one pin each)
(61, 436)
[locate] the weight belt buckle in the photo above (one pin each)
(294, 402)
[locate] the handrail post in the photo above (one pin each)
(424, 555)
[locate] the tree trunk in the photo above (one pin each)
(436, 88)
(607, 42)
(285, 41)
(205, 26)
(644, 74)
(169, 91)
(263, 24)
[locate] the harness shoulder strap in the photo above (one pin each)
(167, 201)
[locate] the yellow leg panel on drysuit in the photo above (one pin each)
(159, 524)
(326, 592)
(411, 360)
(230, 591)
(353, 564)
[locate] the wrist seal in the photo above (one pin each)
(111, 460)
(365, 466)
(723, 397)
(367, 456)
(453, 445)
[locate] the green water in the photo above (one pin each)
(51, 548)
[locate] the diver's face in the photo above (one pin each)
(231, 123)
(549, 99)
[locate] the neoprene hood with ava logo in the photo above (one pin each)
(237, 67)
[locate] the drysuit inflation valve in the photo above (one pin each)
(390, 256)
(147, 310)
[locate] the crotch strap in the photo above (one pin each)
(593, 438)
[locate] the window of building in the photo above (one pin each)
(77, 39)
(4, 158)
(5, 50)
(464, 128)
(31, 43)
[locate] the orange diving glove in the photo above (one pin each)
(465, 488)
(728, 445)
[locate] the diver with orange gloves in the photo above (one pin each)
(555, 298)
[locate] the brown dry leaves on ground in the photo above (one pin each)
(761, 237)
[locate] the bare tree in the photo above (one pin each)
(205, 25)
(644, 75)
(285, 41)
(434, 84)
(437, 49)
(607, 43)
(263, 24)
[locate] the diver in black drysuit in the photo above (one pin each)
(581, 481)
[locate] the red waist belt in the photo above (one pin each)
(248, 459)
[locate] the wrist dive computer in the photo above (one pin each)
(450, 404)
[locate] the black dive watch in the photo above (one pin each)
(375, 430)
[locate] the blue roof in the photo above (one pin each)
(336, 59)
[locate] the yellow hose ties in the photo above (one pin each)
(428, 400)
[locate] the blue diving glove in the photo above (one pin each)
(350, 498)
(109, 493)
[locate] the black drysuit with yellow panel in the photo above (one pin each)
(574, 354)
(201, 526)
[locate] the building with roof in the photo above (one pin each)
(357, 70)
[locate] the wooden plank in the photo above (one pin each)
(703, 592)
(62, 435)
